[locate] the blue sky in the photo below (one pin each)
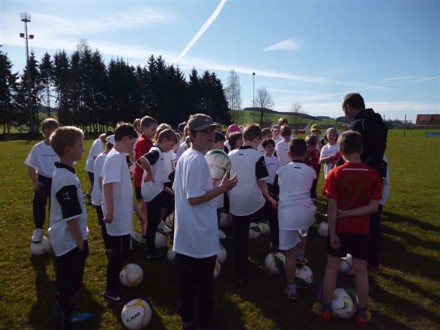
(307, 52)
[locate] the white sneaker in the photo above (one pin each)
(164, 228)
(37, 236)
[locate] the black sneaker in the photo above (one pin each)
(153, 255)
(112, 295)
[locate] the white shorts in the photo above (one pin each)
(290, 238)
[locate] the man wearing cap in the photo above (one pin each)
(374, 142)
(195, 229)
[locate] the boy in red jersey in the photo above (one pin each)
(353, 191)
(143, 145)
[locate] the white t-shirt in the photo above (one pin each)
(154, 157)
(278, 139)
(327, 151)
(97, 169)
(115, 170)
(181, 149)
(295, 207)
(67, 204)
(169, 159)
(195, 226)
(95, 150)
(246, 197)
(272, 165)
(282, 149)
(42, 157)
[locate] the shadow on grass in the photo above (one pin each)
(42, 313)
(397, 218)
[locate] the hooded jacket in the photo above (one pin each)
(374, 138)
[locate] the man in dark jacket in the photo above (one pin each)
(374, 142)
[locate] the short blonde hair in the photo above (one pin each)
(65, 136)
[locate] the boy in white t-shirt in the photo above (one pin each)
(96, 148)
(196, 240)
(68, 225)
(296, 212)
(329, 153)
(248, 196)
(97, 190)
(282, 147)
(40, 163)
(117, 205)
(154, 191)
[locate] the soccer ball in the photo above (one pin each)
(136, 240)
(264, 228)
(343, 303)
(131, 275)
(217, 268)
(171, 255)
(222, 255)
(136, 314)
(274, 263)
(169, 220)
(346, 263)
(218, 163)
(304, 277)
(254, 230)
(160, 241)
(221, 235)
(323, 229)
(43, 247)
(223, 219)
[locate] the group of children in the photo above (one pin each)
(277, 180)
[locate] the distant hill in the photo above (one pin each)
(299, 115)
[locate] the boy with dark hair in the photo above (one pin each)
(296, 212)
(117, 205)
(353, 191)
(143, 145)
(248, 196)
(196, 240)
(40, 162)
(154, 191)
(68, 225)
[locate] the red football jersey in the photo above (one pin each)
(353, 185)
(143, 145)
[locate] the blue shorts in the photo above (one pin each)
(355, 244)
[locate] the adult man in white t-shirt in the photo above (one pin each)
(195, 230)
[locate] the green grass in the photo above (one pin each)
(405, 295)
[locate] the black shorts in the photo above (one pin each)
(138, 193)
(355, 244)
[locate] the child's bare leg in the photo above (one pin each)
(360, 272)
(144, 213)
(301, 247)
(290, 266)
(331, 273)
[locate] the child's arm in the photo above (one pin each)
(143, 163)
(108, 195)
(332, 216)
(369, 208)
(76, 233)
(263, 186)
(34, 177)
(169, 190)
(225, 185)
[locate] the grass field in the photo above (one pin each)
(405, 295)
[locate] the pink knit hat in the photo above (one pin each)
(233, 128)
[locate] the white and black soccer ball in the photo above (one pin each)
(264, 228)
(131, 275)
(217, 269)
(323, 229)
(40, 248)
(223, 219)
(160, 241)
(303, 277)
(221, 235)
(343, 303)
(135, 241)
(274, 263)
(222, 255)
(136, 314)
(218, 163)
(346, 263)
(254, 230)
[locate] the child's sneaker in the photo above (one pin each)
(363, 319)
(112, 295)
(291, 296)
(301, 263)
(37, 235)
(322, 315)
(80, 317)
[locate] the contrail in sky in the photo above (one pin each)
(202, 30)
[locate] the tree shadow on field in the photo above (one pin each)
(397, 218)
(401, 306)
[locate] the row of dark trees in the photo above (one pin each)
(89, 94)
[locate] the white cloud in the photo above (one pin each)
(288, 44)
